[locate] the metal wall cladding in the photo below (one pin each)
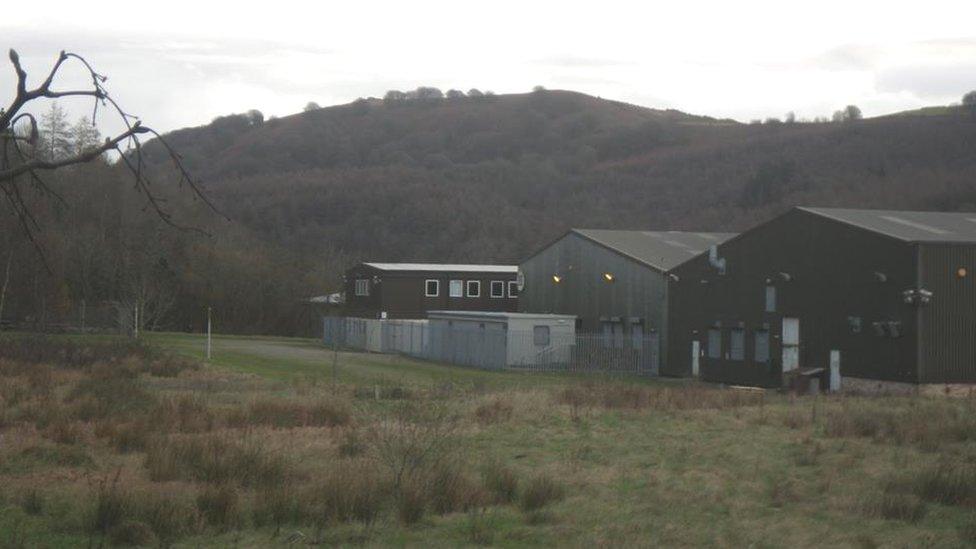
(637, 290)
(827, 274)
(948, 322)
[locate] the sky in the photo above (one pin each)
(179, 63)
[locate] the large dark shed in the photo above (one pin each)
(882, 296)
(615, 282)
(409, 290)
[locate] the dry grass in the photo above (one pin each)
(212, 453)
(216, 458)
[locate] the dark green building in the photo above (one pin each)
(615, 282)
(849, 298)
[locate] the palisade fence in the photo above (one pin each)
(497, 349)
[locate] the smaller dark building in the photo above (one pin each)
(851, 298)
(409, 290)
(616, 283)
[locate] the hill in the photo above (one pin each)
(490, 178)
(486, 179)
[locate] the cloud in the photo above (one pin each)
(574, 61)
(935, 82)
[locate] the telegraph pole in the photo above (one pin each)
(208, 334)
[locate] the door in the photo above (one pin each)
(695, 354)
(834, 371)
(791, 344)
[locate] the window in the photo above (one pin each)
(497, 288)
(474, 288)
(737, 344)
(513, 290)
(432, 288)
(715, 343)
(362, 286)
(456, 289)
(762, 345)
(540, 336)
(613, 333)
(770, 299)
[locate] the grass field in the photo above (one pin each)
(108, 442)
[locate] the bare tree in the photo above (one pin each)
(21, 167)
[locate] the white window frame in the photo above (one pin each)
(362, 287)
(513, 284)
(501, 284)
(460, 288)
(437, 287)
(467, 288)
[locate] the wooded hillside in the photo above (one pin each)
(465, 179)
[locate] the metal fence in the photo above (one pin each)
(498, 349)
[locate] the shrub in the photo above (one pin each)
(479, 528)
(948, 483)
(501, 482)
(132, 533)
(221, 506)
(215, 459)
(351, 443)
(781, 491)
(171, 517)
(450, 489)
(32, 502)
(171, 366)
(540, 491)
(276, 505)
(411, 503)
(349, 492)
(283, 414)
(109, 505)
(494, 411)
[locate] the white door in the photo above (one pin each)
(834, 371)
(695, 353)
(791, 344)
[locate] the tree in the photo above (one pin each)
(428, 93)
(849, 113)
(455, 94)
(311, 106)
(969, 102)
(21, 167)
(55, 139)
(474, 92)
(84, 136)
(790, 118)
(255, 117)
(538, 89)
(394, 96)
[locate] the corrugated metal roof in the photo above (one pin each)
(444, 267)
(662, 250)
(906, 225)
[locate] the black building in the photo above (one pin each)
(615, 282)
(883, 296)
(409, 290)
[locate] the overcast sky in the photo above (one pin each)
(179, 63)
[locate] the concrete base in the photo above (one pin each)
(859, 386)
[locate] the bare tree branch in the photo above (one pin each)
(128, 144)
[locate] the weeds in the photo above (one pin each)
(540, 491)
(500, 482)
(221, 506)
(283, 414)
(496, 410)
(215, 459)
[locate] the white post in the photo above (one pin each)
(135, 320)
(208, 334)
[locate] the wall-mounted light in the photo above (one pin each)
(962, 272)
(608, 277)
(556, 279)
